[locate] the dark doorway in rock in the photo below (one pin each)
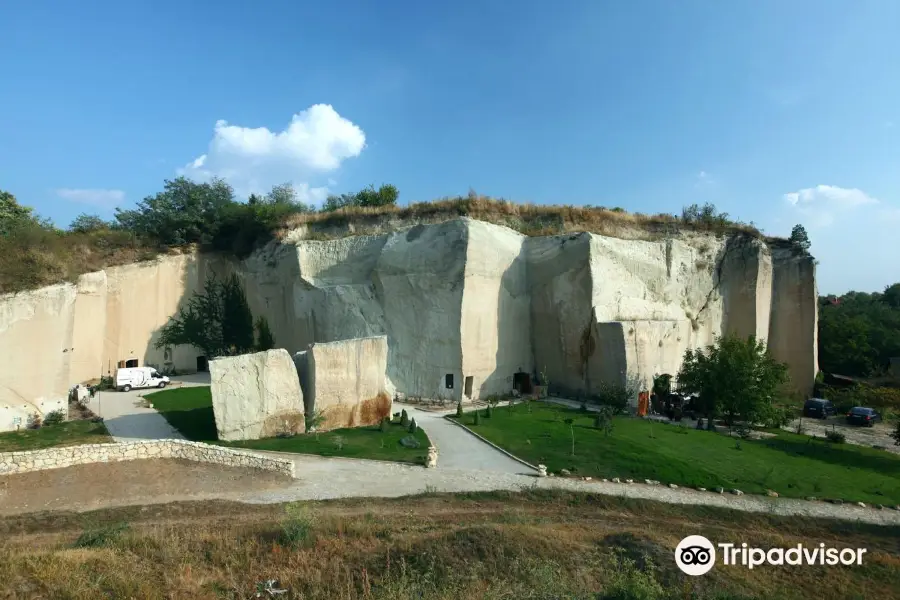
(470, 381)
(202, 364)
(522, 383)
(131, 363)
(448, 381)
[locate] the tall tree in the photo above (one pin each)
(216, 320)
(800, 240)
(85, 223)
(265, 340)
(735, 378)
(13, 215)
(185, 212)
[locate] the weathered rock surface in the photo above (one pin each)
(346, 381)
(256, 395)
(464, 306)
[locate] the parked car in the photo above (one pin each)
(139, 377)
(860, 415)
(818, 408)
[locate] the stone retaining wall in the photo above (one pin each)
(58, 458)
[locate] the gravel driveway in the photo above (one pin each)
(127, 419)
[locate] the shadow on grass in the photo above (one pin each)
(196, 424)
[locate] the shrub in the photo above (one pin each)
(102, 536)
(54, 418)
(477, 418)
(835, 437)
(459, 410)
(603, 419)
(778, 416)
(488, 412)
(404, 418)
(296, 526)
(413, 426)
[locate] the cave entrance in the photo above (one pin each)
(470, 381)
(522, 383)
(202, 364)
(131, 363)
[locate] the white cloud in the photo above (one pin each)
(95, 197)
(703, 179)
(316, 142)
(822, 204)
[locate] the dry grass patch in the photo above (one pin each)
(534, 544)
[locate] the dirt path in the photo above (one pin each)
(88, 487)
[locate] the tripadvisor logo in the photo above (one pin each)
(696, 555)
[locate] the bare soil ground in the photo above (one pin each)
(130, 482)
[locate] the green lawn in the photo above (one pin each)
(792, 465)
(70, 433)
(189, 410)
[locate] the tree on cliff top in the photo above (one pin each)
(216, 320)
(385, 195)
(735, 377)
(800, 240)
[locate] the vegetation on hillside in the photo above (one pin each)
(859, 333)
(208, 216)
(534, 544)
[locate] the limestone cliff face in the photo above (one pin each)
(464, 305)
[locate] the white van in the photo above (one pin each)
(139, 377)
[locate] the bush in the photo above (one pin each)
(404, 418)
(54, 418)
(296, 526)
(835, 437)
(477, 418)
(459, 410)
(778, 416)
(413, 426)
(101, 537)
(628, 582)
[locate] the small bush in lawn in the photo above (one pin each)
(835, 437)
(54, 418)
(385, 423)
(404, 418)
(477, 417)
(488, 412)
(459, 411)
(603, 419)
(413, 426)
(100, 537)
(296, 526)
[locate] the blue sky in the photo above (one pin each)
(779, 112)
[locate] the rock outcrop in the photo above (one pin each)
(345, 380)
(256, 396)
(464, 305)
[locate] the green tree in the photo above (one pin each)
(859, 332)
(800, 240)
(185, 212)
(216, 320)
(891, 296)
(15, 216)
(385, 195)
(735, 378)
(265, 340)
(85, 223)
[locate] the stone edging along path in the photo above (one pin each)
(27, 461)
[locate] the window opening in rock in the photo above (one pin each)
(448, 381)
(470, 381)
(202, 364)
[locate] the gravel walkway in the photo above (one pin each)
(459, 449)
(128, 420)
(326, 478)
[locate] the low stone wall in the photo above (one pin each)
(69, 456)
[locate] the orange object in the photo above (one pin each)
(643, 404)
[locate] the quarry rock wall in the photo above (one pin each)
(460, 298)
